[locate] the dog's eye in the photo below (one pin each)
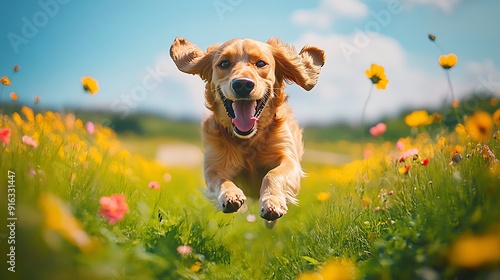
(224, 64)
(260, 63)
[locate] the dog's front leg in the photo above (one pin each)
(229, 197)
(279, 187)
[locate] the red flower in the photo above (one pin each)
(113, 208)
(5, 135)
(425, 162)
(404, 169)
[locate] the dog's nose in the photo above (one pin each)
(242, 87)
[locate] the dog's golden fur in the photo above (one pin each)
(251, 139)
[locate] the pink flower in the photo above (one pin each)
(31, 172)
(400, 145)
(154, 185)
(378, 129)
(90, 127)
(408, 153)
(184, 250)
(251, 218)
(167, 177)
(367, 153)
(488, 154)
(5, 135)
(113, 208)
(28, 140)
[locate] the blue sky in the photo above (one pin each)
(124, 45)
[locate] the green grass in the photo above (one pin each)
(387, 224)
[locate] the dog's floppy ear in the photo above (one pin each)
(191, 59)
(302, 68)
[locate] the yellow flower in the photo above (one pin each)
(448, 61)
(496, 118)
(28, 113)
(69, 121)
(460, 129)
(479, 126)
(90, 85)
(57, 217)
(95, 155)
(458, 149)
(323, 196)
(333, 270)
(404, 169)
(39, 119)
(472, 251)
(455, 103)
(78, 124)
(337, 270)
(493, 102)
(441, 143)
(310, 275)
(377, 76)
(17, 119)
(196, 267)
(418, 118)
(366, 201)
(436, 118)
(5, 81)
(14, 97)
(124, 154)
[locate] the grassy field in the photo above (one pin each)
(82, 204)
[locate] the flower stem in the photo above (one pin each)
(449, 85)
(452, 95)
(439, 47)
(364, 110)
(363, 120)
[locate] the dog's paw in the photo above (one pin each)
(232, 200)
(273, 207)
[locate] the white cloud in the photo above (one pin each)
(323, 16)
(175, 94)
(315, 18)
(444, 5)
(346, 8)
(483, 77)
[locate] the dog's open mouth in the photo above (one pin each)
(244, 113)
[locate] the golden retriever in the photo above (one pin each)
(251, 140)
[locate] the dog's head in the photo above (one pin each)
(245, 78)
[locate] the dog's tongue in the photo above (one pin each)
(244, 111)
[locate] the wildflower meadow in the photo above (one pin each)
(76, 204)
